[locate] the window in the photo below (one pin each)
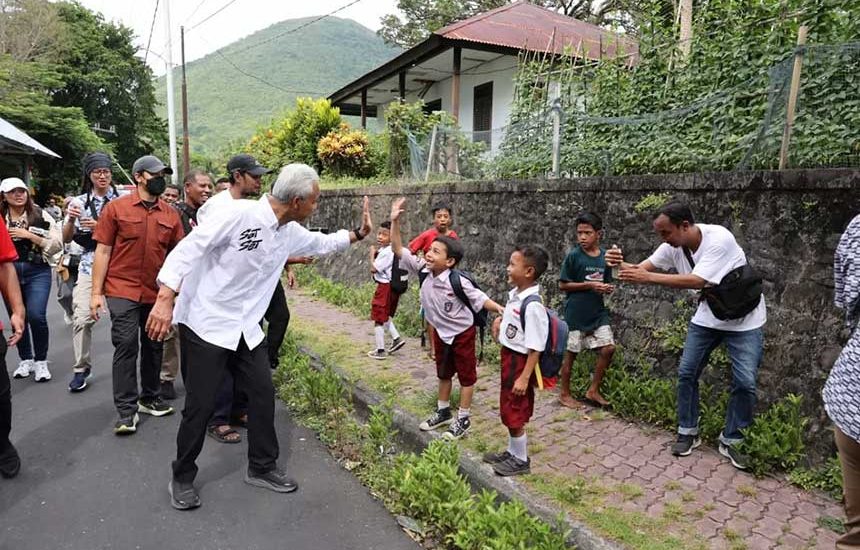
(482, 114)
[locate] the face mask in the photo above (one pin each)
(156, 185)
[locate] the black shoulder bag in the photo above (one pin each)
(737, 295)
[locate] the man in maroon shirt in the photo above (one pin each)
(10, 463)
(134, 235)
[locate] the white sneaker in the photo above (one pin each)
(24, 369)
(42, 372)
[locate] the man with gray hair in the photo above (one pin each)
(228, 268)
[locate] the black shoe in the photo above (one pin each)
(273, 480)
(458, 428)
(183, 496)
(513, 466)
(685, 444)
(126, 425)
(438, 418)
(167, 390)
(495, 458)
(739, 460)
(10, 463)
(156, 407)
(396, 345)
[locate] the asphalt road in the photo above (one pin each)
(82, 487)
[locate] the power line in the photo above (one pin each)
(193, 13)
(211, 15)
(151, 29)
(296, 29)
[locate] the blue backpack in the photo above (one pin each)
(556, 339)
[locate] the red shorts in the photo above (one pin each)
(458, 357)
(384, 303)
(516, 410)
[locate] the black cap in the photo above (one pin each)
(151, 164)
(246, 163)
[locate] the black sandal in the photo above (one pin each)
(222, 436)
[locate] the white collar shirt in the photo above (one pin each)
(512, 335)
(228, 269)
(382, 264)
(213, 204)
(448, 315)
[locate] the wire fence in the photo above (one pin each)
(738, 128)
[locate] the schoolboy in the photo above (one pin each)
(523, 336)
(384, 303)
(453, 320)
(442, 220)
(586, 279)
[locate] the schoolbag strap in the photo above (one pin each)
(526, 301)
(457, 287)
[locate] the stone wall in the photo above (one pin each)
(787, 222)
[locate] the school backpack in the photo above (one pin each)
(556, 339)
(480, 316)
(399, 277)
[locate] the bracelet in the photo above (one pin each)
(358, 235)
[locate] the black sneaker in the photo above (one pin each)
(513, 466)
(458, 428)
(438, 418)
(156, 407)
(78, 383)
(126, 425)
(167, 390)
(396, 345)
(685, 444)
(495, 458)
(739, 460)
(273, 480)
(183, 496)
(10, 463)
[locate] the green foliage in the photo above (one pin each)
(651, 202)
(422, 17)
(827, 478)
(834, 524)
(347, 152)
(672, 335)
(227, 105)
(402, 119)
(720, 109)
(295, 136)
(774, 441)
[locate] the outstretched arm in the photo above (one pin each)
(397, 208)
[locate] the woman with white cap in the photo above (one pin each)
(38, 242)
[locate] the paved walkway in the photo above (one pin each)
(83, 488)
(713, 504)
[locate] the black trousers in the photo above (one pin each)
(278, 317)
(6, 448)
(206, 365)
(128, 335)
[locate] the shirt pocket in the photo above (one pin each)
(129, 228)
(165, 231)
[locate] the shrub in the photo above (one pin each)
(345, 152)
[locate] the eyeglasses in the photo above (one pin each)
(101, 172)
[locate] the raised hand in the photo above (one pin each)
(397, 208)
(366, 221)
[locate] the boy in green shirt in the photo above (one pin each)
(586, 278)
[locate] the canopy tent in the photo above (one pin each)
(16, 150)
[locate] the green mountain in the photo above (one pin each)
(224, 104)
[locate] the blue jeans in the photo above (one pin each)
(745, 351)
(35, 281)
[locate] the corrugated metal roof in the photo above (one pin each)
(11, 133)
(529, 27)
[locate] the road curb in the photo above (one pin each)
(480, 475)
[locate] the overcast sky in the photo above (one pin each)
(239, 19)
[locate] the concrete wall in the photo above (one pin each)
(788, 223)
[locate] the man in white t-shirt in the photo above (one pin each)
(713, 253)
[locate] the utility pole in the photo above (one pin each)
(186, 158)
(685, 40)
(171, 115)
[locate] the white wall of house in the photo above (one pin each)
(500, 72)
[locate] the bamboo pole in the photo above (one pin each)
(792, 97)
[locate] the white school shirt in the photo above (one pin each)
(717, 254)
(228, 269)
(382, 263)
(511, 334)
(448, 315)
(214, 203)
